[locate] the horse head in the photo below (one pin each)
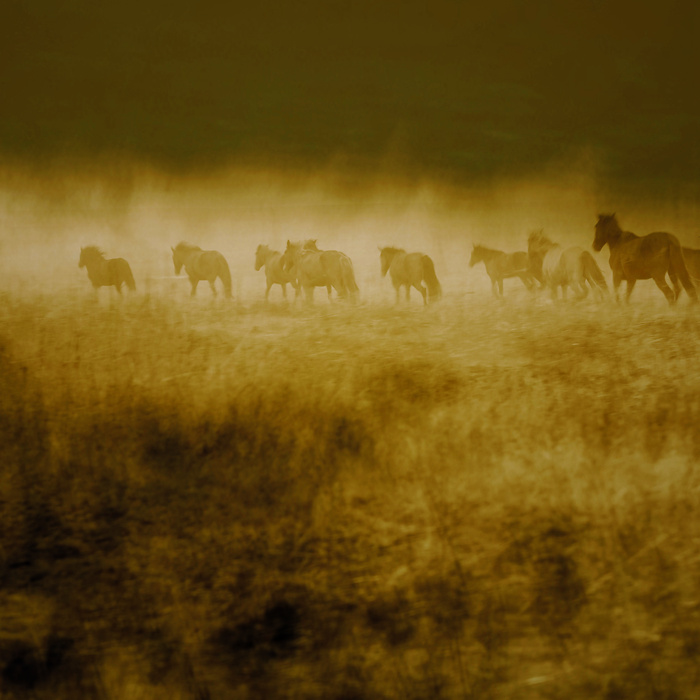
(386, 255)
(90, 254)
(261, 255)
(605, 229)
(177, 260)
(290, 255)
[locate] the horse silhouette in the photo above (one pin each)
(564, 267)
(320, 268)
(202, 265)
(410, 270)
(635, 258)
(500, 266)
(106, 273)
(271, 260)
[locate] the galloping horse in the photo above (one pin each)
(560, 267)
(410, 270)
(635, 258)
(500, 266)
(274, 274)
(106, 273)
(202, 265)
(320, 268)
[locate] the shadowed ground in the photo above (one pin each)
(204, 501)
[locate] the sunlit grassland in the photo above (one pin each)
(478, 499)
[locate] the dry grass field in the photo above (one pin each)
(230, 499)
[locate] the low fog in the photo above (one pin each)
(137, 212)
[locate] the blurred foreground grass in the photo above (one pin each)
(476, 500)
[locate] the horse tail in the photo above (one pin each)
(225, 275)
(431, 280)
(677, 267)
(592, 273)
(128, 276)
(347, 273)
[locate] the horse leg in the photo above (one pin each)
(617, 281)
(194, 284)
(527, 281)
(213, 286)
(676, 283)
(423, 291)
(668, 292)
(580, 290)
(329, 288)
(284, 291)
(494, 289)
(267, 291)
(397, 287)
(500, 286)
(630, 287)
(408, 292)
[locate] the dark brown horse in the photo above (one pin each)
(106, 273)
(635, 258)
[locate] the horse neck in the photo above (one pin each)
(396, 256)
(617, 236)
(95, 265)
(187, 256)
(487, 255)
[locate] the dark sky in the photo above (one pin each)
(461, 90)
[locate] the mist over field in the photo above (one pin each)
(138, 212)
(216, 498)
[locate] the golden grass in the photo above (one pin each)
(473, 500)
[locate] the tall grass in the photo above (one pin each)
(477, 500)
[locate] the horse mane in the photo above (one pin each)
(609, 220)
(185, 247)
(537, 238)
(93, 251)
(478, 246)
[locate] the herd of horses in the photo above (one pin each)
(545, 265)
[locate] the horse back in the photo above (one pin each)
(312, 269)
(641, 257)
(519, 260)
(407, 268)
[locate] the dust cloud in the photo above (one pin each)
(137, 212)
